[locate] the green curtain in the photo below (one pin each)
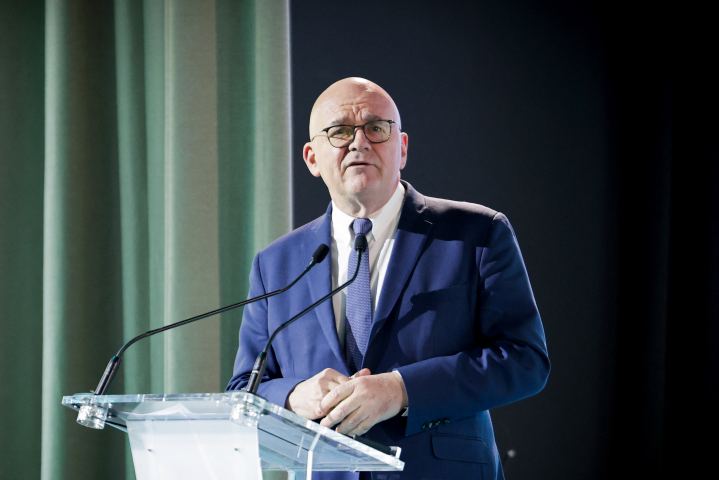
(22, 63)
(144, 159)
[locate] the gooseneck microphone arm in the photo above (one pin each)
(317, 257)
(258, 370)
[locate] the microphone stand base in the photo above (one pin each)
(246, 411)
(92, 416)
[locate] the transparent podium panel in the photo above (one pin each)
(167, 450)
(224, 435)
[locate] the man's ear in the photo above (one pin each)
(404, 143)
(308, 154)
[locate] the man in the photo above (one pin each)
(439, 327)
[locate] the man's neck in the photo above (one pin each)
(358, 207)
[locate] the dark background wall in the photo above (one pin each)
(594, 129)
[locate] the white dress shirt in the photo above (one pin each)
(380, 240)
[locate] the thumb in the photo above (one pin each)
(362, 373)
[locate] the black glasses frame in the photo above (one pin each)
(354, 132)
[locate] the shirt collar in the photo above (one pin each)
(382, 220)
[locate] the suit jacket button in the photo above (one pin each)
(445, 421)
(424, 426)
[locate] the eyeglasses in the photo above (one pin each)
(376, 131)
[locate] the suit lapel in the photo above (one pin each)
(319, 282)
(412, 233)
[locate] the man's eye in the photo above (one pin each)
(340, 132)
(378, 127)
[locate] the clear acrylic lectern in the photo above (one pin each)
(228, 435)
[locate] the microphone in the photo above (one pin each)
(258, 369)
(317, 257)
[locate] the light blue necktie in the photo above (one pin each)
(359, 303)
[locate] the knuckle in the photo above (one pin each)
(359, 388)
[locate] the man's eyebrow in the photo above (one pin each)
(340, 121)
(344, 120)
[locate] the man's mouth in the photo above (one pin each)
(358, 164)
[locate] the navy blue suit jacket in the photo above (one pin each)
(456, 317)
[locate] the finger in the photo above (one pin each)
(339, 413)
(352, 420)
(336, 377)
(362, 428)
(328, 388)
(326, 380)
(334, 397)
(336, 380)
(362, 373)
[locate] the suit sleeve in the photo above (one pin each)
(509, 361)
(253, 337)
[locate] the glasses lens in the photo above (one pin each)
(377, 132)
(340, 136)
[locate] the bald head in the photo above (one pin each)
(354, 92)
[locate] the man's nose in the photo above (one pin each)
(360, 141)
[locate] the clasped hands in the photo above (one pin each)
(356, 403)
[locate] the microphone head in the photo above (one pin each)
(320, 253)
(361, 243)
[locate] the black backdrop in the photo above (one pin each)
(595, 130)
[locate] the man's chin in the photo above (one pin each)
(361, 188)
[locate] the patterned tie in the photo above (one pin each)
(359, 303)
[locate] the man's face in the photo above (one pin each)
(363, 172)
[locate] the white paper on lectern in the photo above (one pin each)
(192, 449)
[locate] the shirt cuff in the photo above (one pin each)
(405, 411)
